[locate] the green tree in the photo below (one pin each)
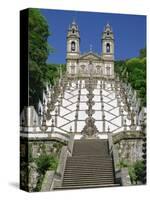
(40, 73)
(136, 70)
(53, 71)
(120, 65)
(142, 53)
(133, 63)
(38, 53)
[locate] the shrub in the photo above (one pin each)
(122, 164)
(45, 162)
(136, 172)
(139, 170)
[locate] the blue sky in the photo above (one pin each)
(129, 32)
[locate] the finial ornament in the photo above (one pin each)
(107, 23)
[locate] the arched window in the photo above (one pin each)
(108, 48)
(73, 46)
(73, 30)
(108, 70)
(72, 69)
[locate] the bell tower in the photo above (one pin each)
(73, 48)
(108, 51)
(73, 41)
(108, 43)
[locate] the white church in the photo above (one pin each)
(82, 65)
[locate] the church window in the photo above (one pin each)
(72, 69)
(107, 32)
(73, 30)
(108, 48)
(108, 70)
(72, 46)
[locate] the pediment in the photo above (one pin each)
(90, 56)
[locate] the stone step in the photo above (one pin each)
(84, 165)
(77, 163)
(90, 146)
(89, 153)
(86, 186)
(90, 165)
(89, 168)
(97, 167)
(87, 172)
(83, 160)
(90, 160)
(88, 182)
(88, 176)
(90, 141)
(90, 157)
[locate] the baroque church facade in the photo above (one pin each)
(83, 65)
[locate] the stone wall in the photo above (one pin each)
(126, 149)
(29, 151)
(130, 150)
(128, 146)
(41, 147)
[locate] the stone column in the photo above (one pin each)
(122, 117)
(137, 117)
(52, 126)
(102, 106)
(76, 119)
(76, 84)
(103, 123)
(56, 114)
(103, 84)
(61, 98)
(58, 107)
(108, 130)
(118, 102)
(125, 125)
(133, 125)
